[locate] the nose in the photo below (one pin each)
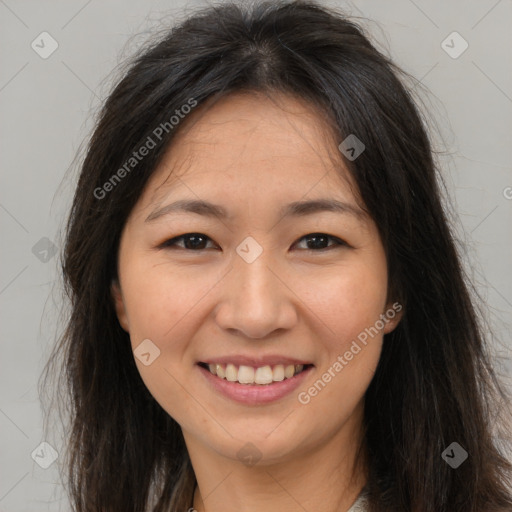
(255, 299)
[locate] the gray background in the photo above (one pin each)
(47, 109)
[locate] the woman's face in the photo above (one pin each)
(255, 291)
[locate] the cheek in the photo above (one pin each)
(346, 301)
(349, 343)
(159, 298)
(348, 304)
(162, 305)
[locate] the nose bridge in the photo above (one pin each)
(258, 283)
(254, 300)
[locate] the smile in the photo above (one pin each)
(254, 382)
(262, 375)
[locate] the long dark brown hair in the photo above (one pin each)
(434, 384)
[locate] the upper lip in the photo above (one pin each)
(239, 360)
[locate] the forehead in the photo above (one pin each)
(253, 145)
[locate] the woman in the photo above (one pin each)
(268, 310)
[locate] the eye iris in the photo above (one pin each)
(316, 244)
(196, 241)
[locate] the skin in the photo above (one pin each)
(253, 156)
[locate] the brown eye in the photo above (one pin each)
(319, 242)
(191, 242)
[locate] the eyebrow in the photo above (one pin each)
(295, 209)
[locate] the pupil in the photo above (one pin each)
(196, 244)
(316, 245)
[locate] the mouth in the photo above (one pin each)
(255, 376)
(253, 382)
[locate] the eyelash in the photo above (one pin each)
(171, 243)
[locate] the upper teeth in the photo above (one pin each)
(249, 375)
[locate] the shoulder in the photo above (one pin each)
(361, 504)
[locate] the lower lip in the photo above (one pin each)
(256, 394)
